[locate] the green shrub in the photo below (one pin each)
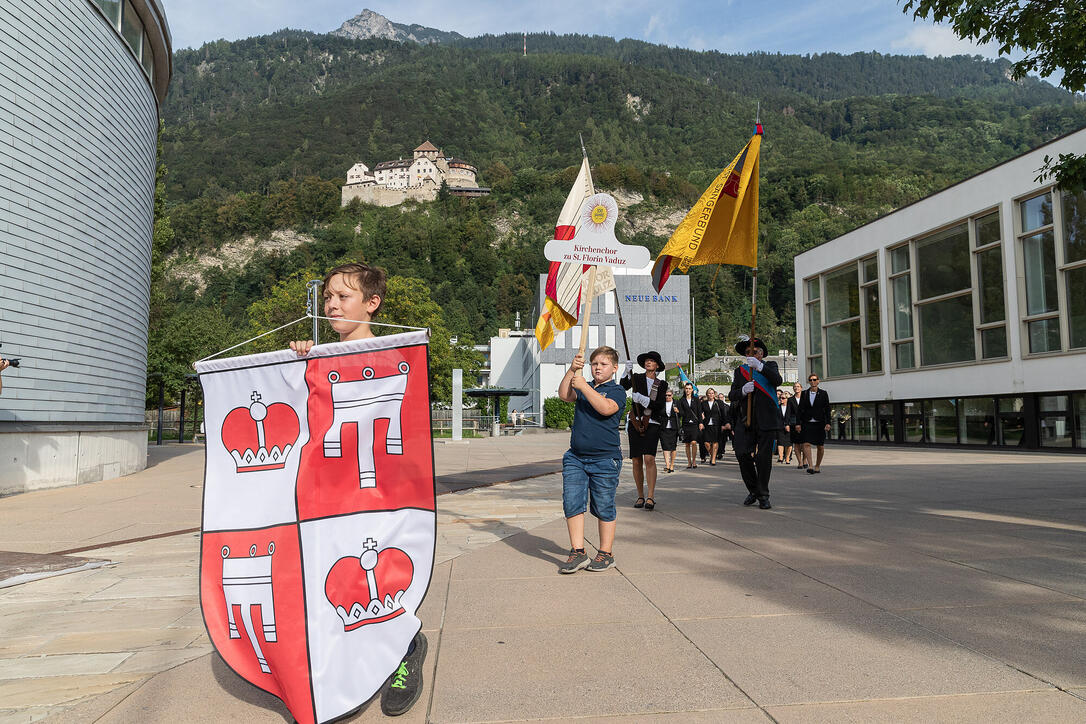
(557, 413)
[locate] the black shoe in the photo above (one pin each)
(403, 688)
(751, 499)
(764, 504)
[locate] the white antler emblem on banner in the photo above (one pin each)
(364, 402)
(247, 582)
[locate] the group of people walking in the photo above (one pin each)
(752, 412)
(762, 420)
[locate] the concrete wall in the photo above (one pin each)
(47, 457)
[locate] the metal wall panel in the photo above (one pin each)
(78, 122)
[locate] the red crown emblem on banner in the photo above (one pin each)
(260, 437)
(369, 588)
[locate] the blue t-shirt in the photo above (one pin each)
(594, 435)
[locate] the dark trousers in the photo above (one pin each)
(754, 450)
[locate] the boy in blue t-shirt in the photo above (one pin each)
(591, 465)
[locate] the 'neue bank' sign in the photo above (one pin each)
(650, 298)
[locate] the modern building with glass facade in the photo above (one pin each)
(959, 319)
(81, 84)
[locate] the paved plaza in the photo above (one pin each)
(898, 585)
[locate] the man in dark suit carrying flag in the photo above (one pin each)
(756, 436)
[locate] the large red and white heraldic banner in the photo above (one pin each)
(319, 517)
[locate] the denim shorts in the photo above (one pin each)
(589, 483)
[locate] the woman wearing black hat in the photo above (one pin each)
(647, 414)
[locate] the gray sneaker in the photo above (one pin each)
(601, 562)
(574, 563)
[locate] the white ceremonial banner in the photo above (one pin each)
(319, 517)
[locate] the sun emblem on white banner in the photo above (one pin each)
(599, 212)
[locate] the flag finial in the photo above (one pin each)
(583, 151)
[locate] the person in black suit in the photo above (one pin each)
(791, 426)
(669, 433)
(647, 415)
(714, 417)
(813, 414)
(689, 406)
(756, 380)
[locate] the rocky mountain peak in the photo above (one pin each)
(368, 24)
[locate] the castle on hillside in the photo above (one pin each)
(393, 182)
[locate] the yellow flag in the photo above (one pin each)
(722, 227)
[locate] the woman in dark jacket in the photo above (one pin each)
(689, 407)
(791, 421)
(669, 432)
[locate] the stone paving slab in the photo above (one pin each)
(1044, 639)
(1026, 706)
(617, 669)
(771, 591)
(828, 657)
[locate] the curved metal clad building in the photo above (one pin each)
(81, 82)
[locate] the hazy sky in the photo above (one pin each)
(731, 26)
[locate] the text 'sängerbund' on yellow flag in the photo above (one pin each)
(722, 227)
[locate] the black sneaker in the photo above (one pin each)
(404, 687)
(576, 561)
(750, 499)
(764, 504)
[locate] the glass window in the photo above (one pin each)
(986, 229)
(977, 425)
(946, 331)
(871, 312)
(1036, 212)
(914, 422)
(899, 259)
(1040, 260)
(871, 269)
(942, 420)
(814, 328)
(1011, 424)
(843, 350)
(841, 422)
(993, 342)
(886, 421)
(1078, 406)
(132, 28)
(813, 289)
(1076, 305)
(942, 263)
(112, 10)
(1055, 422)
(147, 58)
(1074, 227)
(874, 359)
(903, 356)
(863, 417)
(609, 332)
(814, 366)
(903, 308)
(842, 295)
(990, 275)
(1044, 335)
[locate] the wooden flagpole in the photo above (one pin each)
(753, 290)
(587, 310)
(750, 342)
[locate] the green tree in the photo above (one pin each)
(1051, 34)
